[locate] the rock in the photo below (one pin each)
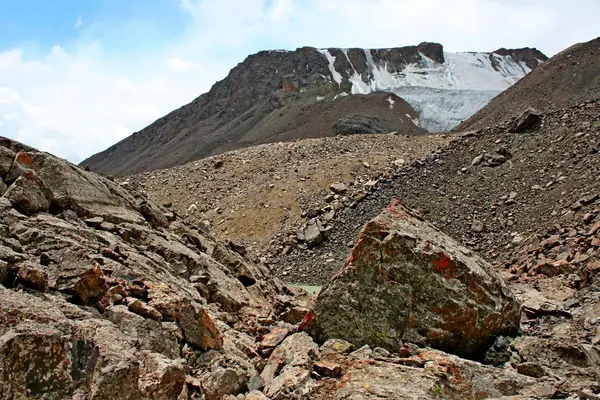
(494, 160)
(273, 339)
(153, 214)
(364, 353)
(46, 355)
(431, 375)
(370, 184)
(7, 157)
(563, 357)
(328, 369)
(256, 395)
(535, 304)
(478, 226)
(336, 346)
(91, 286)
(3, 187)
(380, 353)
(329, 215)
(29, 194)
(358, 124)
(294, 315)
(156, 337)
(256, 383)
(160, 377)
(594, 229)
(140, 308)
(529, 118)
(531, 369)
(414, 283)
(477, 160)
(338, 188)
(89, 195)
(288, 368)
(97, 260)
(224, 381)
(498, 354)
(199, 328)
(20, 165)
(33, 276)
(589, 199)
(311, 233)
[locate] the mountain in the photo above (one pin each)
(570, 77)
(480, 281)
(285, 95)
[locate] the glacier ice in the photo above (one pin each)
(443, 94)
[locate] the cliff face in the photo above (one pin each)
(285, 95)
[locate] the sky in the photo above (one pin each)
(77, 76)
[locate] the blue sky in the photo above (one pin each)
(37, 25)
(77, 76)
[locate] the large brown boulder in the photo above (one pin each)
(407, 281)
(29, 194)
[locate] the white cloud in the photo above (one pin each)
(78, 102)
(79, 22)
(179, 65)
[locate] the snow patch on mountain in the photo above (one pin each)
(444, 94)
(336, 75)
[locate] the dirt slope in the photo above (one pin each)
(252, 195)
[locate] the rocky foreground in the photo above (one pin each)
(105, 295)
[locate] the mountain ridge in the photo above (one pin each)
(276, 88)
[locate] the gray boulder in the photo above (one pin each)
(29, 194)
(528, 119)
(407, 281)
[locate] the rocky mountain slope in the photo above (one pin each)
(252, 196)
(490, 189)
(107, 295)
(570, 78)
(279, 96)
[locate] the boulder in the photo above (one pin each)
(338, 188)
(20, 164)
(7, 157)
(153, 214)
(33, 276)
(311, 233)
(160, 377)
(529, 118)
(88, 194)
(91, 286)
(289, 368)
(431, 375)
(29, 194)
(405, 280)
(199, 328)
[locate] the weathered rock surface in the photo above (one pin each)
(29, 194)
(405, 280)
(101, 298)
(287, 373)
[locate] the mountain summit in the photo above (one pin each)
(285, 95)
